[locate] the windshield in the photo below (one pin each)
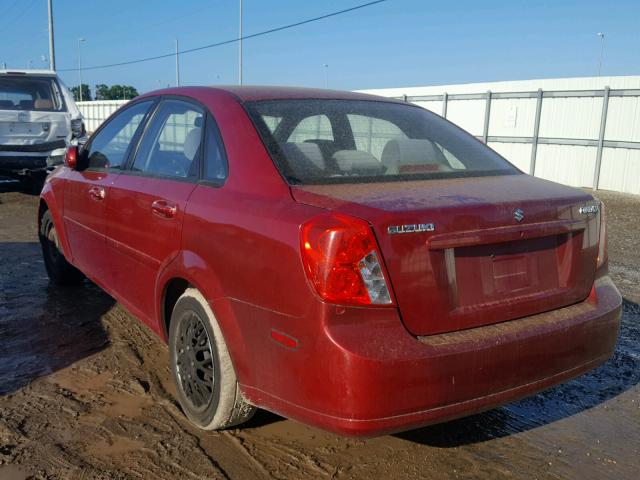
(353, 141)
(29, 93)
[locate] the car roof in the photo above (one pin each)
(248, 93)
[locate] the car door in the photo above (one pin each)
(86, 191)
(148, 200)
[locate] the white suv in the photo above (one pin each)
(38, 119)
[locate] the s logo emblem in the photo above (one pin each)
(518, 214)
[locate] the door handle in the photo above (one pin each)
(97, 193)
(164, 209)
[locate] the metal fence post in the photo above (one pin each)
(445, 98)
(487, 113)
(603, 127)
(536, 134)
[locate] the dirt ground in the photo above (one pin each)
(85, 393)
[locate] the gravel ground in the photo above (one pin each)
(85, 393)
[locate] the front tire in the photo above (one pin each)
(60, 271)
(206, 383)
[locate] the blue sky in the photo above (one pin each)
(396, 43)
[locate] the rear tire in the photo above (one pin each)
(60, 271)
(206, 382)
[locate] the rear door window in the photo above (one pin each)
(171, 144)
(109, 146)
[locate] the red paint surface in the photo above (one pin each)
(511, 309)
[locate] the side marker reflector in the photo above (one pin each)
(284, 339)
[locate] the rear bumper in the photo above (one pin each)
(21, 165)
(376, 378)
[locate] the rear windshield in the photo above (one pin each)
(353, 141)
(30, 93)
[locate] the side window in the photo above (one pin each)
(109, 146)
(372, 134)
(316, 127)
(171, 143)
(215, 159)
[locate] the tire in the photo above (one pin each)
(60, 271)
(206, 382)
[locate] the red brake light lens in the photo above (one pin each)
(71, 157)
(342, 261)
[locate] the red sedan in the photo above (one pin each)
(349, 261)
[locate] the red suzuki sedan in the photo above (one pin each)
(349, 261)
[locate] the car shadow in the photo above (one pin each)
(617, 375)
(43, 328)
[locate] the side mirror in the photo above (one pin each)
(71, 157)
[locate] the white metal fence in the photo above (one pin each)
(96, 112)
(564, 130)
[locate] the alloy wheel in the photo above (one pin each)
(194, 361)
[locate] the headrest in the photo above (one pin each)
(412, 155)
(192, 143)
(303, 158)
(43, 104)
(356, 160)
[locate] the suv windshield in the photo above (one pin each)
(354, 141)
(29, 93)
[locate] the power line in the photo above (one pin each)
(227, 42)
(20, 13)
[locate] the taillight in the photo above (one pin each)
(602, 238)
(343, 262)
(77, 128)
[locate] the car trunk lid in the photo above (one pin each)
(458, 257)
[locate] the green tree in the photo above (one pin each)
(122, 92)
(86, 93)
(102, 92)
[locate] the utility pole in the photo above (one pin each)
(80, 40)
(240, 48)
(326, 75)
(177, 65)
(52, 50)
(601, 35)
